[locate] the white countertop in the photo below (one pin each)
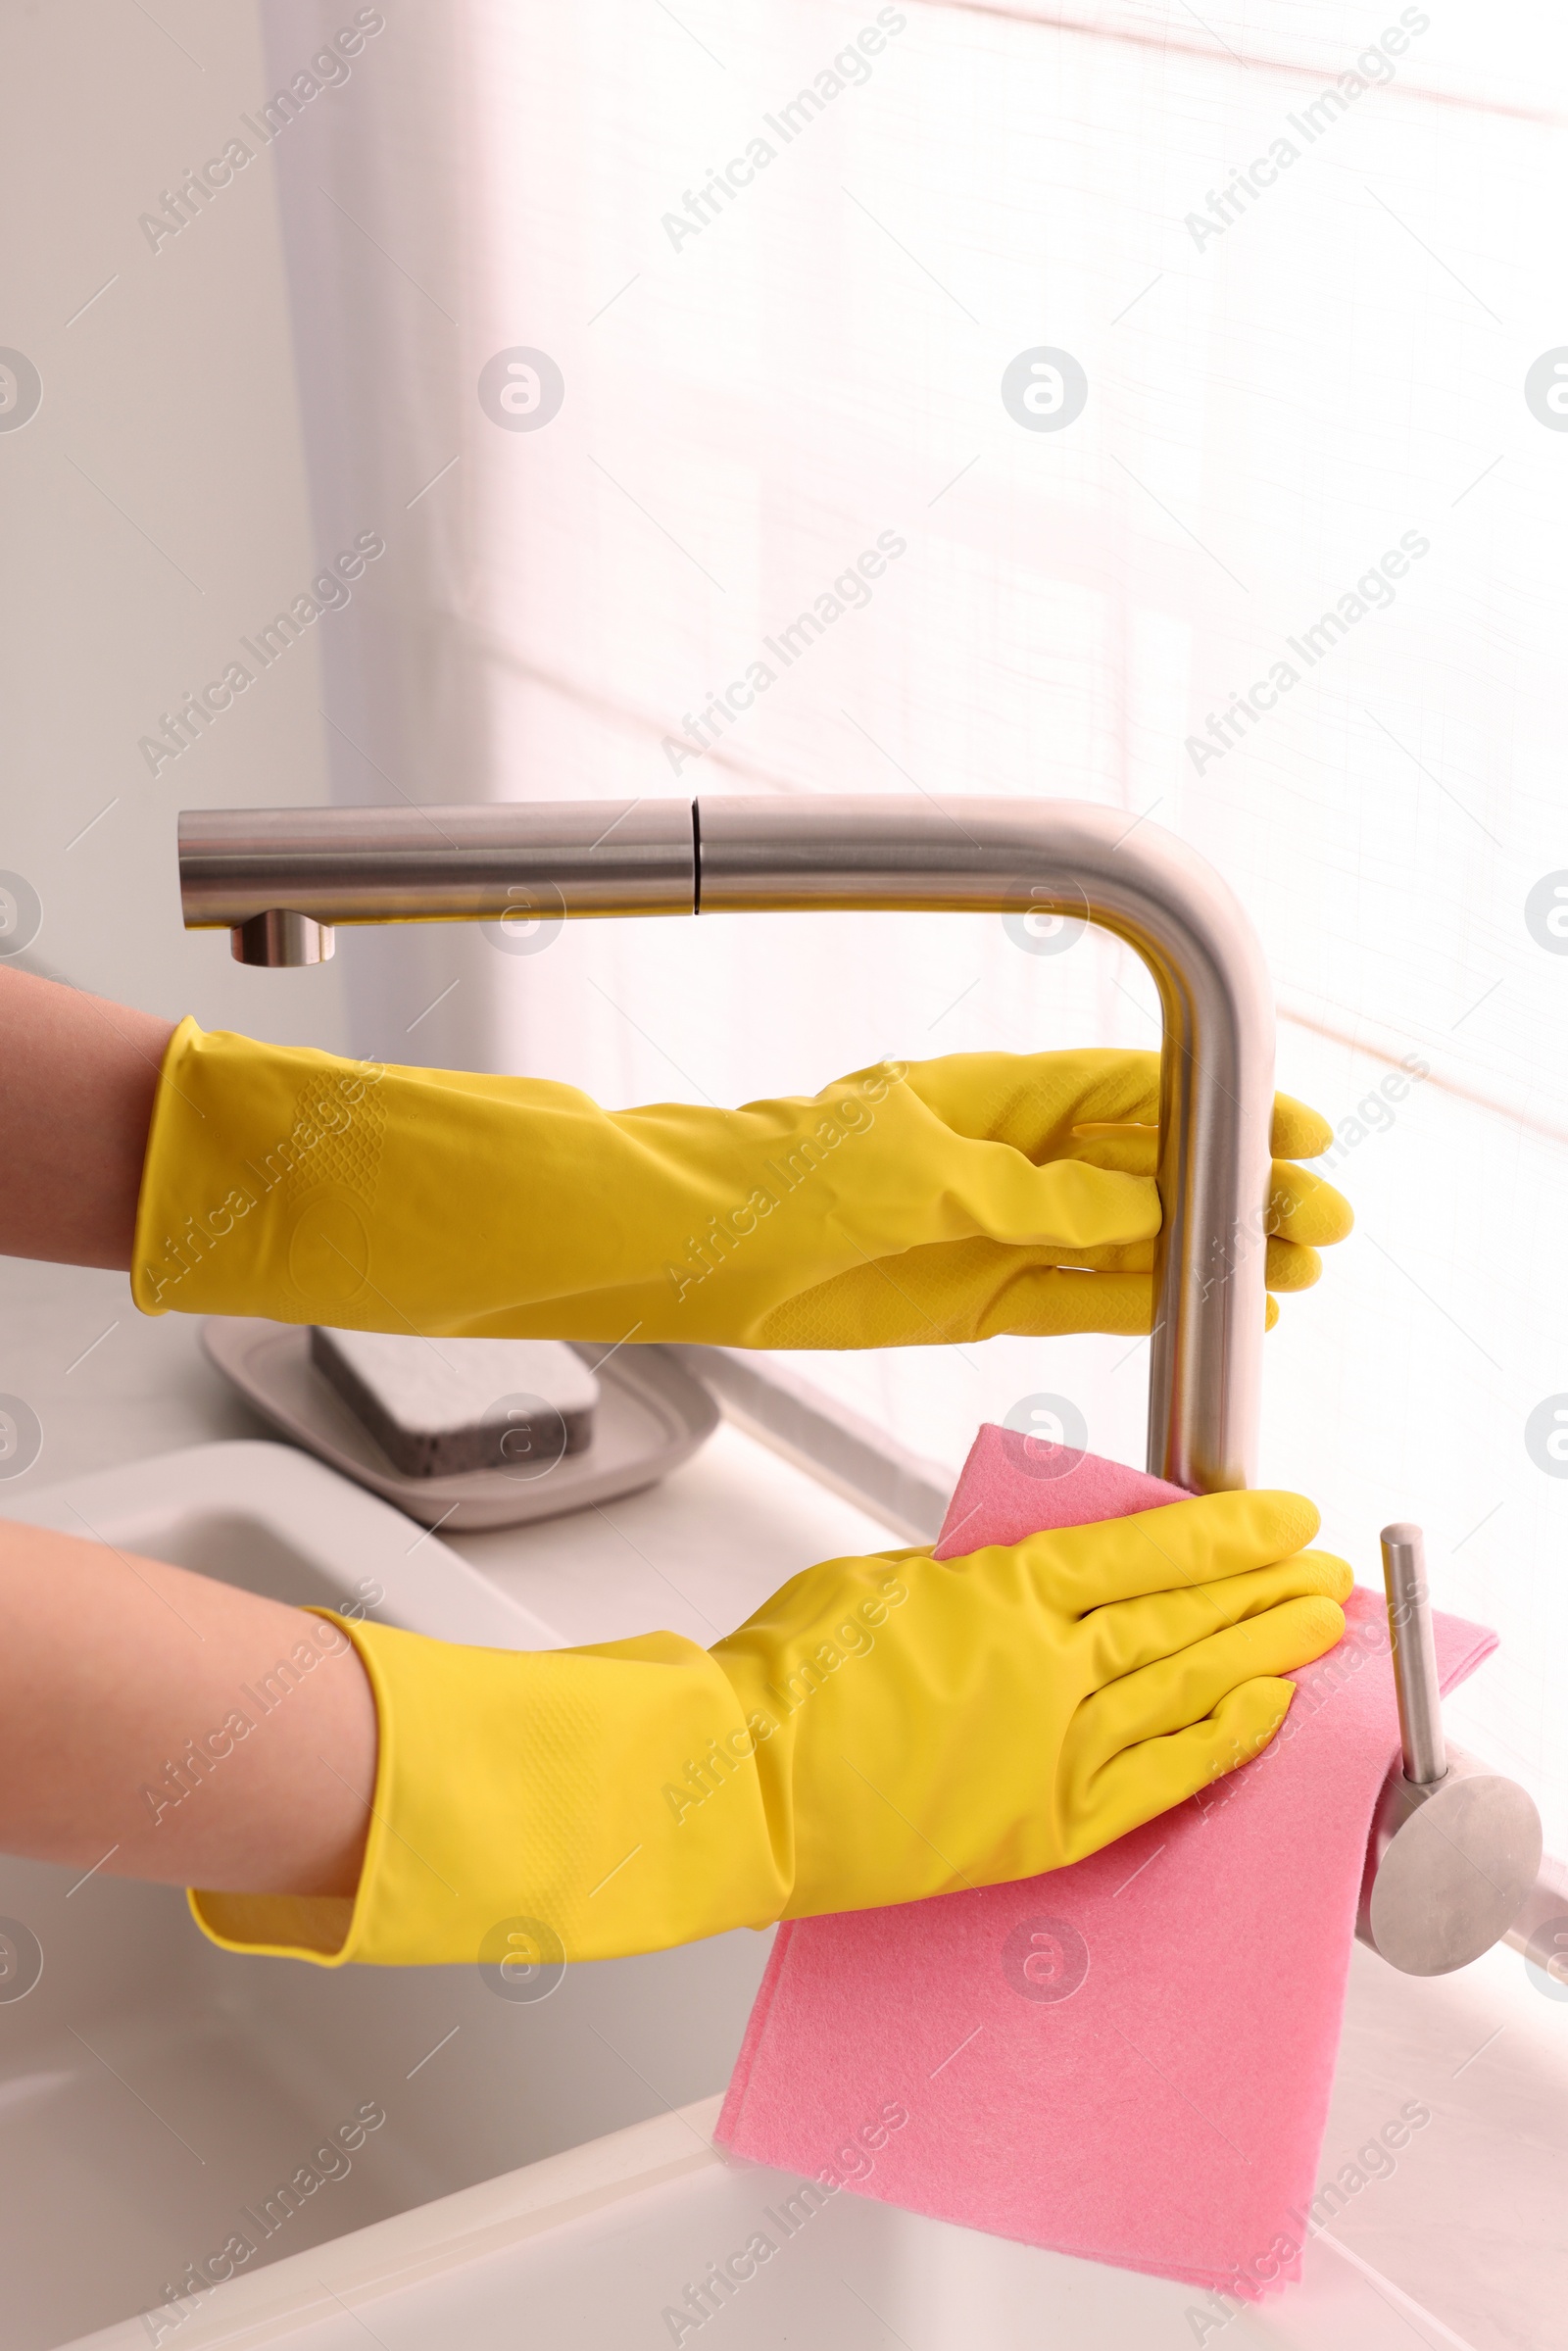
(1465, 2245)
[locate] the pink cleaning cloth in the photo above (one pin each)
(1129, 2059)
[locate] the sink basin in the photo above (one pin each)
(545, 2170)
(160, 2093)
(629, 2240)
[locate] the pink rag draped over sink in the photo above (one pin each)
(1129, 2059)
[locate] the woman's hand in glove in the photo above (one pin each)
(881, 1730)
(1090, 1116)
(930, 1202)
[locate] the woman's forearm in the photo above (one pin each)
(151, 1721)
(78, 1076)
(166, 1726)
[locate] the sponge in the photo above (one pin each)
(440, 1406)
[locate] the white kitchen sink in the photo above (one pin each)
(545, 2172)
(597, 2248)
(152, 2089)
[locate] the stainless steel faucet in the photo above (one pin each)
(1453, 1856)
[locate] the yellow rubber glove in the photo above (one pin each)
(907, 1203)
(881, 1730)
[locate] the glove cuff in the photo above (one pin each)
(593, 1801)
(257, 1180)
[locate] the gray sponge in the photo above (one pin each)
(439, 1406)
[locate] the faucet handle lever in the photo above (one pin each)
(1415, 1655)
(1455, 1847)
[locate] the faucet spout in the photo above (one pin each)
(278, 878)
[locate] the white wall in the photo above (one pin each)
(154, 509)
